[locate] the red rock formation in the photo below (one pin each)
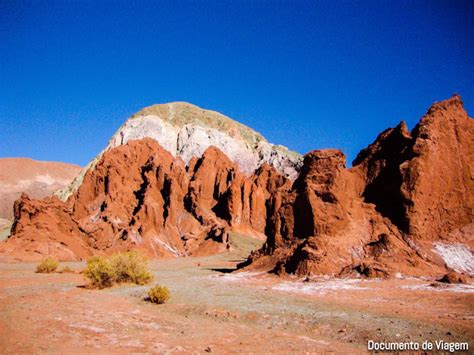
(453, 277)
(325, 227)
(45, 227)
(406, 206)
(423, 181)
(139, 196)
(439, 181)
(405, 192)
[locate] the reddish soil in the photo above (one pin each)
(224, 312)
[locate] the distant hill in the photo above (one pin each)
(37, 178)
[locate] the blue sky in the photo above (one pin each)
(305, 74)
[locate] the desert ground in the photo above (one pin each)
(215, 310)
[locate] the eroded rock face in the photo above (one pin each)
(439, 181)
(405, 193)
(139, 196)
(325, 227)
(423, 181)
(186, 131)
(405, 207)
(45, 227)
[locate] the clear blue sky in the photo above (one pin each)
(305, 74)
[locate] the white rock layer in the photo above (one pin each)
(187, 131)
(457, 256)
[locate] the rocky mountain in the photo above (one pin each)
(139, 196)
(173, 181)
(176, 180)
(37, 178)
(186, 131)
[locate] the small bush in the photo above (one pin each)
(47, 266)
(131, 267)
(125, 267)
(100, 272)
(159, 294)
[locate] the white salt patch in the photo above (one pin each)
(232, 277)
(457, 256)
(135, 237)
(153, 326)
(93, 218)
(446, 288)
(168, 247)
(116, 221)
(322, 342)
(91, 328)
(319, 287)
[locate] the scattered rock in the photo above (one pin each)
(454, 277)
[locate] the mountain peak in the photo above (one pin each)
(454, 102)
(187, 130)
(180, 113)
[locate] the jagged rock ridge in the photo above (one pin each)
(406, 206)
(139, 196)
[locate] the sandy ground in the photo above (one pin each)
(212, 310)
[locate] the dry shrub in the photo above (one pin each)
(47, 266)
(127, 267)
(159, 294)
(131, 267)
(100, 272)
